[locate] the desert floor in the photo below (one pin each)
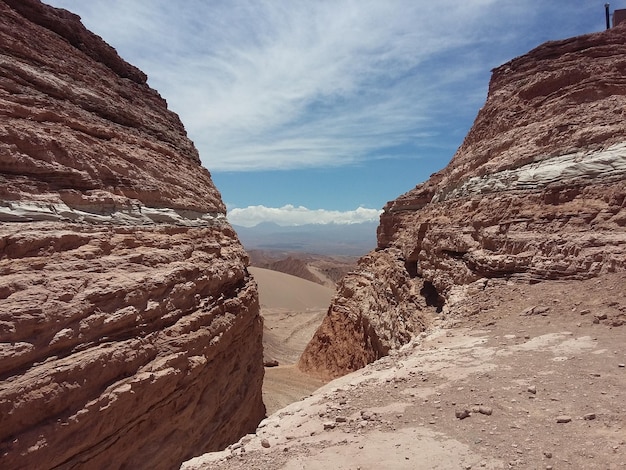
(292, 309)
(517, 375)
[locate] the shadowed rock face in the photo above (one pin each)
(536, 191)
(130, 334)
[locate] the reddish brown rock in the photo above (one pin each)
(372, 313)
(98, 134)
(537, 188)
(130, 334)
(536, 191)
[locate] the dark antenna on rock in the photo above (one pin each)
(607, 14)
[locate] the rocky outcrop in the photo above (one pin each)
(536, 191)
(130, 334)
(372, 313)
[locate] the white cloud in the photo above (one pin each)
(299, 215)
(320, 84)
(288, 84)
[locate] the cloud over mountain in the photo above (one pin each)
(289, 215)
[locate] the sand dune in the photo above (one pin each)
(292, 308)
(279, 290)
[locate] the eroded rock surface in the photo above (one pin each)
(130, 334)
(536, 191)
(372, 313)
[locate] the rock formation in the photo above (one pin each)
(130, 334)
(372, 313)
(536, 191)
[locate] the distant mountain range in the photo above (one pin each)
(324, 239)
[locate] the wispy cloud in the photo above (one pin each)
(303, 84)
(291, 215)
(283, 84)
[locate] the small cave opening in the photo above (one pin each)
(411, 268)
(432, 297)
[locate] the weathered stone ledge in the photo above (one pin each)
(131, 214)
(570, 169)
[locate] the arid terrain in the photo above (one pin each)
(486, 328)
(332, 240)
(319, 268)
(292, 309)
(537, 369)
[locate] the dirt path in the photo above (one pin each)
(287, 332)
(284, 385)
(285, 335)
(292, 309)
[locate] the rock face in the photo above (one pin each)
(130, 334)
(536, 191)
(372, 313)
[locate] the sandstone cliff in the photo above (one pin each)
(536, 191)
(130, 334)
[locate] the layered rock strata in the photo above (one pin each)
(130, 334)
(536, 191)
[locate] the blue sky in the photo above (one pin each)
(320, 111)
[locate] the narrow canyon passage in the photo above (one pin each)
(292, 309)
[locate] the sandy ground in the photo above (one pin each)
(279, 290)
(516, 376)
(292, 309)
